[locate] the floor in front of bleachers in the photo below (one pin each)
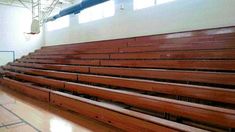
(19, 113)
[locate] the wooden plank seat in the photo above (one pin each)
(145, 47)
(47, 73)
(150, 48)
(36, 79)
(199, 54)
(71, 52)
(173, 64)
(28, 89)
(89, 47)
(65, 56)
(178, 40)
(195, 91)
(165, 64)
(68, 68)
(189, 110)
(170, 47)
(62, 61)
(178, 75)
(119, 117)
(194, 76)
(199, 92)
(212, 114)
(118, 43)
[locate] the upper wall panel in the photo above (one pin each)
(175, 16)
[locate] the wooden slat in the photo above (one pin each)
(37, 80)
(214, 115)
(178, 40)
(62, 61)
(152, 47)
(32, 91)
(54, 67)
(74, 51)
(47, 73)
(200, 92)
(171, 47)
(193, 76)
(169, 39)
(168, 64)
(224, 37)
(92, 45)
(61, 56)
(201, 54)
(174, 64)
(116, 116)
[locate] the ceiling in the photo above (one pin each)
(47, 7)
(28, 3)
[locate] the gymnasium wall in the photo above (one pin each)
(180, 15)
(14, 21)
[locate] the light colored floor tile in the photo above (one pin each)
(18, 128)
(6, 117)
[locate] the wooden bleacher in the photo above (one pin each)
(171, 82)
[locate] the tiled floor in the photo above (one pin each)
(19, 113)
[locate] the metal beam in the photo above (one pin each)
(24, 4)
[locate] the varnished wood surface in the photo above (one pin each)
(111, 114)
(54, 74)
(22, 114)
(213, 114)
(168, 64)
(182, 75)
(196, 54)
(201, 92)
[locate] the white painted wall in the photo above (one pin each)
(180, 15)
(14, 21)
